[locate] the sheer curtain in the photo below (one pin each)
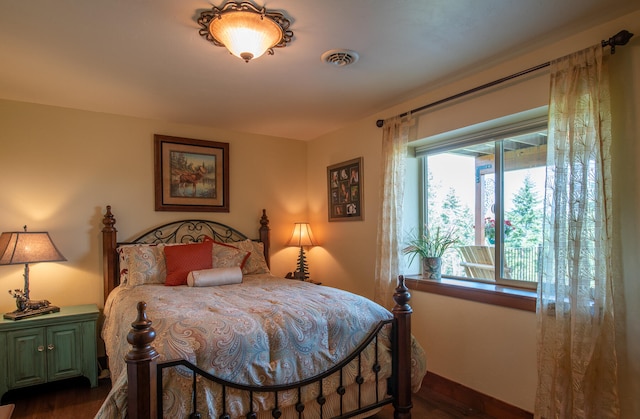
(388, 255)
(577, 364)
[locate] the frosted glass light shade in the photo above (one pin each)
(245, 30)
(246, 35)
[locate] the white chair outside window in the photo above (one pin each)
(479, 262)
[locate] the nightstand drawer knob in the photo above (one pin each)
(40, 348)
(50, 346)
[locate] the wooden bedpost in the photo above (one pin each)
(141, 368)
(109, 256)
(402, 347)
(264, 236)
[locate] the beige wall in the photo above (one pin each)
(490, 349)
(60, 167)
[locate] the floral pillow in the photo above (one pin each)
(256, 263)
(227, 256)
(123, 264)
(142, 264)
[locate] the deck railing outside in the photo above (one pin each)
(525, 263)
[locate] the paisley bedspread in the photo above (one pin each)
(263, 331)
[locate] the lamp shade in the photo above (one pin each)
(245, 30)
(246, 34)
(302, 236)
(28, 247)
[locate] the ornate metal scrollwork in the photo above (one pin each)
(188, 231)
(205, 18)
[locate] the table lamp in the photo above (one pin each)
(302, 236)
(19, 247)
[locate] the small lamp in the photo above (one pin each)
(19, 247)
(302, 236)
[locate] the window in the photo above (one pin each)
(488, 186)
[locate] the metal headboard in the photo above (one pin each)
(186, 231)
(183, 231)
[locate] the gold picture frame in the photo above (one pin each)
(191, 175)
(345, 184)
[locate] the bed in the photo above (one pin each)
(245, 343)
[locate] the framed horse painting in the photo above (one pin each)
(191, 175)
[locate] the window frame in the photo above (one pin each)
(487, 293)
(494, 131)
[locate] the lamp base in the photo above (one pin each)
(19, 315)
(296, 275)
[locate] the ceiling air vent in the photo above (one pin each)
(340, 57)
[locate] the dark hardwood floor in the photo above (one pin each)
(73, 399)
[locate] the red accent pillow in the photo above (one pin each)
(186, 258)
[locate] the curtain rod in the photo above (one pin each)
(621, 38)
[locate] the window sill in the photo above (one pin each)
(520, 299)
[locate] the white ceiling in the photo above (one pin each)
(145, 58)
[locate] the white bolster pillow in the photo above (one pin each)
(214, 277)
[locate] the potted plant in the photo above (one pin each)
(430, 245)
(490, 229)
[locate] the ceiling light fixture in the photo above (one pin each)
(246, 31)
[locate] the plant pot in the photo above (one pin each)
(431, 268)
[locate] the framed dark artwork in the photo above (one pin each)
(345, 183)
(191, 175)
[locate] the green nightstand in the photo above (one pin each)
(50, 347)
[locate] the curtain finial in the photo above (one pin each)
(621, 38)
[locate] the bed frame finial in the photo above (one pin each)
(141, 368)
(141, 335)
(402, 296)
(108, 220)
